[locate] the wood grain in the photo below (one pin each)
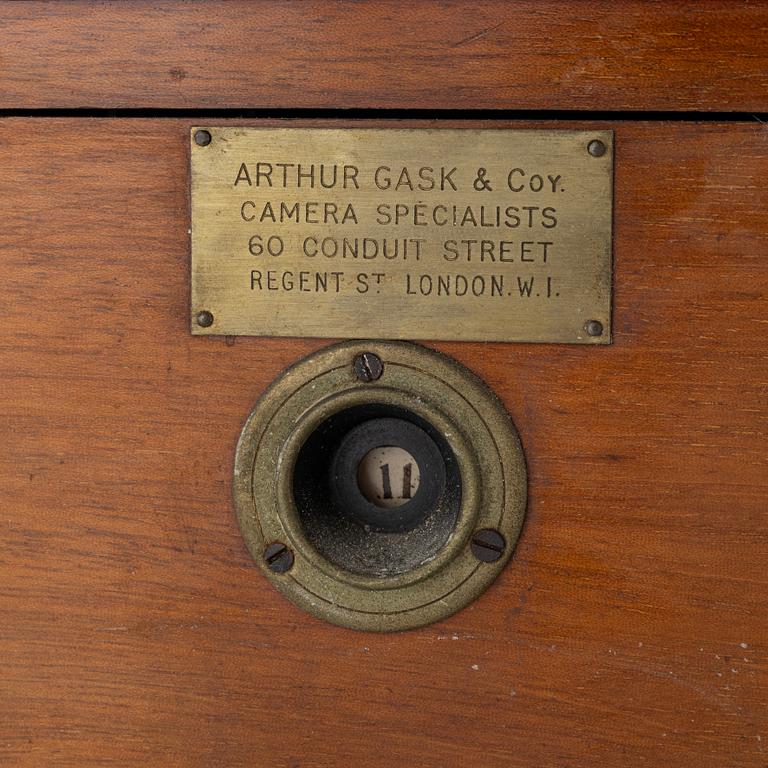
(630, 627)
(452, 54)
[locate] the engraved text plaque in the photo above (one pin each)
(453, 234)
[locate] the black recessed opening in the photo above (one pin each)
(367, 535)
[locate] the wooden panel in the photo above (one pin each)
(630, 626)
(558, 54)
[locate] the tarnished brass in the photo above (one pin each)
(485, 235)
(437, 390)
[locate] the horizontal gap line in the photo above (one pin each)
(394, 114)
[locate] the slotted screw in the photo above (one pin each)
(278, 557)
(596, 148)
(368, 367)
(488, 545)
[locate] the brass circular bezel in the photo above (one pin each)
(437, 389)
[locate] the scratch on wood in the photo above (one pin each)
(472, 38)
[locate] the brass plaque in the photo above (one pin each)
(452, 234)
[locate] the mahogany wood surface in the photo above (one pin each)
(446, 54)
(629, 628)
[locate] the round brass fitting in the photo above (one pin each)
(329, 547)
